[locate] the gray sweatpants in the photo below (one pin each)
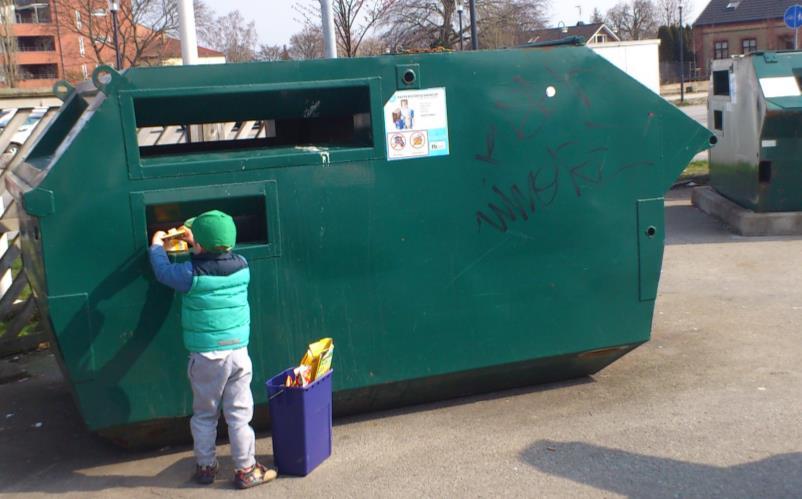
(228, 381)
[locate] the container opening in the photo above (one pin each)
(59, 128)
(764, 172)
(249, 214)
(721, 82)
(218, 122)
(718, 120)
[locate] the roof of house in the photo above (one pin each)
(583, 31)
(170, 48)
(738, 11)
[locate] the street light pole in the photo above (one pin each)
(329, 35)
(189, 35)
(114, 6)
(474, 36)
(460, 8)
(681, 59)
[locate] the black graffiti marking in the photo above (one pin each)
(516, 204)
(490, 147)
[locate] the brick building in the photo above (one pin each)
(65, 39)
(731, 27)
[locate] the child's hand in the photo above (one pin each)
(187, 236)
(157, 238)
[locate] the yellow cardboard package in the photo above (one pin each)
(318, 358)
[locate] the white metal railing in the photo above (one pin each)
(17, 307)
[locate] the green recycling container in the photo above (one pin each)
(457, 222)
(755, 110)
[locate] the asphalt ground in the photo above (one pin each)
(709, 408)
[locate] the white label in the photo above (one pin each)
(416, 124)
(768, 143)
(783, 86)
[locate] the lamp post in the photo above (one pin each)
(474, 36)
(114, 6)
(460, 8)
(329, 35)
(681, 59)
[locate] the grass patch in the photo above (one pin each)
(695, 170)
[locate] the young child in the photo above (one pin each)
(215, 318)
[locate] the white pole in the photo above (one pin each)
(329, 40)
(189, 37)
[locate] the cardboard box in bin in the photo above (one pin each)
(315, 363)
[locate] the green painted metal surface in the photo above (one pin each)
(530, 252)
(756, 112)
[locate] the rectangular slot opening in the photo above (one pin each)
(328, 118)
(49, 141)
(248, 212)
(718, 120)
(721, 82)
(764, 172)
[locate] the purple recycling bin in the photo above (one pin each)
(301, 423)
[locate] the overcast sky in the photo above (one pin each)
(276, 21)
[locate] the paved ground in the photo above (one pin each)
(710, 407)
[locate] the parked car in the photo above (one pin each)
(24, 131)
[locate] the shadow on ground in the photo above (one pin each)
(639, 475)
(62, 456)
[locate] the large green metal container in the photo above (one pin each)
(517, 240)
(755, 110)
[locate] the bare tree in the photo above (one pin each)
(415, 24)
(372, 46)
(8, 43)
(235, 37)
(597, 16)
(506, 23)
(143, 26)
(270, 53)
(667, 11)
(634, 20)
(353, 20)
(433, 23)
(204, 21)
(307, 44)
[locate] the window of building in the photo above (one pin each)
(32, 11)
(81, 48)
(748, 45)
(84, 71)
(721, 49)
(99, 39)
(38, 71)
(99, 12)
(601, 38)
(785, 42)
(36, 44)
(78, 23)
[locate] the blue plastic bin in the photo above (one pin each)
(301, 423)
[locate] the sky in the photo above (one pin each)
(276, 20)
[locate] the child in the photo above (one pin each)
(215, 318)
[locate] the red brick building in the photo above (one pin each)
(67, 39)
(731, 27)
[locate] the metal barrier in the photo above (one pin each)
(18, 312)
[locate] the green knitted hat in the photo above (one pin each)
(213, 230)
